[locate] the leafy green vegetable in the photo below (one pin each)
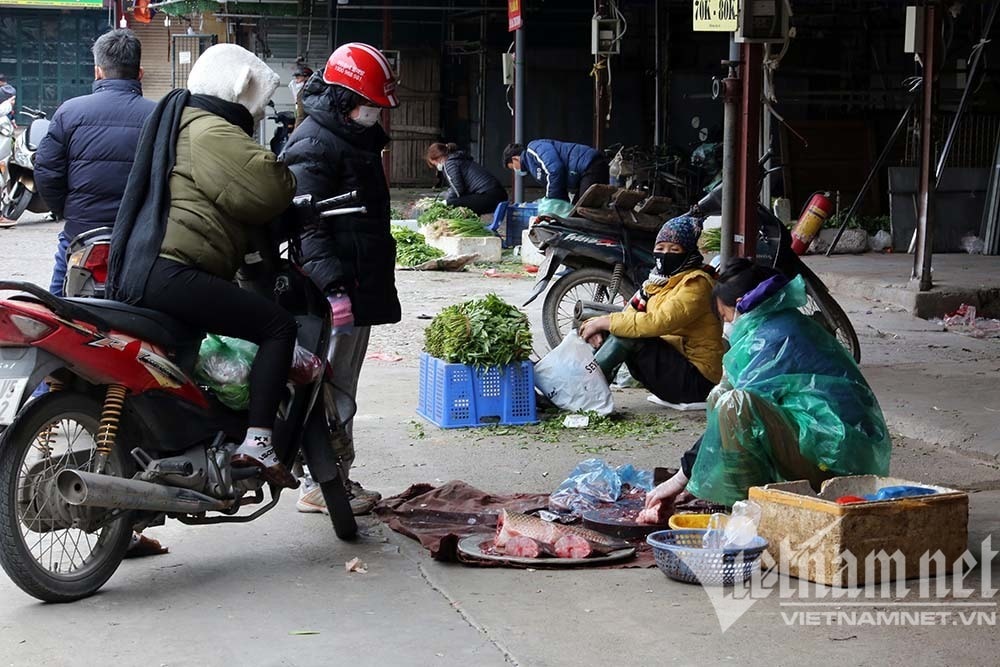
(711, 240)
(870, 223)
(483, 333)
(452, 221)
(411, 249)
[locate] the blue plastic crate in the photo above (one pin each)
(518, 218)
(456, 395)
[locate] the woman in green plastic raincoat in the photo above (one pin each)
(792, 403)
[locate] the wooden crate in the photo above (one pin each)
(809, 533)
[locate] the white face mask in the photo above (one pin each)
(727, 327)
(367, 116)
(440, 166)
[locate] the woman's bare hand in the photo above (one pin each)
(593, 327)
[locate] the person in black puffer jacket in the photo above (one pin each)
(352, 258)
(470, 185)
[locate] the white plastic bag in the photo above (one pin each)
(569, 377)
(881, 241)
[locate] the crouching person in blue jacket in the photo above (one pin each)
(561, 167)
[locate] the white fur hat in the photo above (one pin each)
(232, 73)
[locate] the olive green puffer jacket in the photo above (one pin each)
(222, 183)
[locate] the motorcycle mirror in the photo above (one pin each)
(270, 103)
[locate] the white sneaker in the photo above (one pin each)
(311, 500)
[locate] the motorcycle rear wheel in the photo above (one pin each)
(55, 565)
(589, 284)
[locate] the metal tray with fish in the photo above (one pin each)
(481, 547)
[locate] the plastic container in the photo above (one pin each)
(457, 395)
(689, 521)
(680, 556)
(518, 217)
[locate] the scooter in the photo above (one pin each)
(126, 438)
(603, 263)
(19, 193)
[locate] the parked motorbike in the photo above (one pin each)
(19, 193)
(285, 123)
(87, 264)
(126, 438)
(7, 130)
(603, 262)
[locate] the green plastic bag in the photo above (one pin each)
(788, 383)
(557, 207)
(224, 367)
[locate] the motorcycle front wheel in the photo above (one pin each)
(586, 284)
(15, 200)
(822, 307)
(43, 548)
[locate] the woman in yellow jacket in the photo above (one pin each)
(668, 335)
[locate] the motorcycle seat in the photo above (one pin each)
(606, 229)
(149, 325)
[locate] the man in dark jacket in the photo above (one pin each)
(83, 163)
(560, 166)
(352, 258)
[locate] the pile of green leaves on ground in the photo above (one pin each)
(482, 333)
(870, 223)
(411, 248)
(443, 220)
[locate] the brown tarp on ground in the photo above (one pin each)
(440, 517)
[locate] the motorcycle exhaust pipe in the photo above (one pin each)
(585, 310)
(86, 489)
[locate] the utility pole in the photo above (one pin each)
(751, 63)
(387, 114)
(730, 147)
(600, 74)
(519, 107)
(925, 200)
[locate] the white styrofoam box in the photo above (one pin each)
(489, 248)
(530, 255)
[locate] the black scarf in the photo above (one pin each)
(695, 260)
(237, 114)
(142, 218)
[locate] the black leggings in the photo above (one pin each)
(666, 372)
(481, 203)
(211, 304)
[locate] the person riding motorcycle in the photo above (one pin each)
(198, 186)
(351, 258)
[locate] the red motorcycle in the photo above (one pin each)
(126, 438)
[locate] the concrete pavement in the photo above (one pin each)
(235, 594)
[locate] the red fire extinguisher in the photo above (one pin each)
(811, 221)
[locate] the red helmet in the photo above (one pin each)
(364, 70)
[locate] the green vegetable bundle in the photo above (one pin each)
(411, 249)
(710, 240)
(482, 333)
(452, 221)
